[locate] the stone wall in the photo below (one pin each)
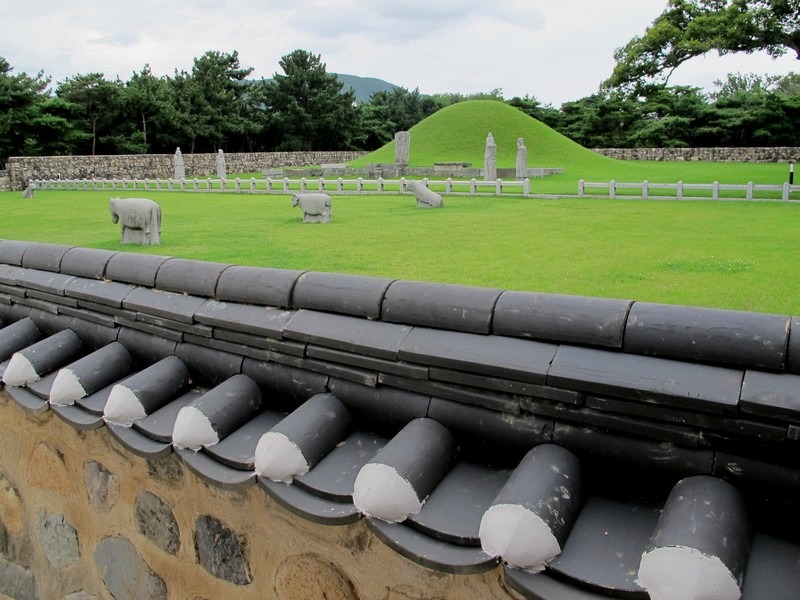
(81, 519)
(153, 166)
(777, 154)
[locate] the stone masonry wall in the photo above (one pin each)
(777, 154)
(81, 519)
(153, 166)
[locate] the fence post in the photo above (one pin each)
(302, 185)
(359, 185)
(749, 190)
(715, 190)
(498, 187)
(252, 185)
(679, 190)
(285, 185)
(448, 185)
(612, 189)
(581, 188)
(785, 196)
(380, 185)
(526, 187)
(340, 184)
(402, 184)
(209, 185)
(473, 184)
(645, 189)
(321, 184)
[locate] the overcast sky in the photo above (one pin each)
(555, 50)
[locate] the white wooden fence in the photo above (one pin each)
(285, 185)
(681, 190)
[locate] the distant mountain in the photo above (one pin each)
(364, 87)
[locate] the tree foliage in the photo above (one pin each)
(690, 28)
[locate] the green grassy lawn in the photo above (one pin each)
(737, 255)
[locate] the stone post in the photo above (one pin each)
(221, 174)
(402, 148)
(490, 159)
(522, 159)
(179, 166)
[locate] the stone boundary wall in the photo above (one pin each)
(153, 166)
(762, 155)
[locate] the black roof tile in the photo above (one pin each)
(215, 473)
(492, 355)
(9, 275)
(288, 383)
(193, 277)
(159, 424)
(707, 335)
(209, 365)
(138, 269)
(561, 318)
(11, 251)
(44, 256)
(44, 281)
(430, 552)
(793, 347)
(382, 408)
(688, 385)
(244, 318)
(350, 334)
(257, 285)
(357, 295)
(455, 307)
(401, 368)
(16, 336)
(310, 506)
(260, 341)
(171, 305)
(771, 395)
(137, 443)
(107, 293)
(27, 401)
(86, 262)
(237, 450)
(77, 417)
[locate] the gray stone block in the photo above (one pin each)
(107, 293)
(125, 573)
(16, 581)
(58, 540)
(356, 295)
(44, 281)
(139, 269)
(561, 318)
(708, 335)
(444, 306)
(256, 285)
(86, 262)
(220, 551)
(194, 277)
(46, 257)
(156, 521)
(102, 486)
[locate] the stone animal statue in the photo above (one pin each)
(425, 198)
(139, 219)
(316, 207)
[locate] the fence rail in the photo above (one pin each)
(681, 190)
(285, 185)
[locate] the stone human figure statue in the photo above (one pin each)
(522, 159)
(221, 174)
(402, 147)
(180, 166)
(490, 159)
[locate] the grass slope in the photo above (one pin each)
(458, 133)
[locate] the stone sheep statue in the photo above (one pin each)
(425, 198)
(316, 207)
(139, 219)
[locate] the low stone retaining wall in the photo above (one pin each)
(155, 166)
(777, 154)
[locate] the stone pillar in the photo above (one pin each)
(402, 147)
(490, 159)
(522, 159)
(180, 166)
(221, 174)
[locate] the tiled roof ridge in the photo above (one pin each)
(713, 336)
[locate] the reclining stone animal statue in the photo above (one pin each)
(139, 219)
(426, 198)
(316, 207)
